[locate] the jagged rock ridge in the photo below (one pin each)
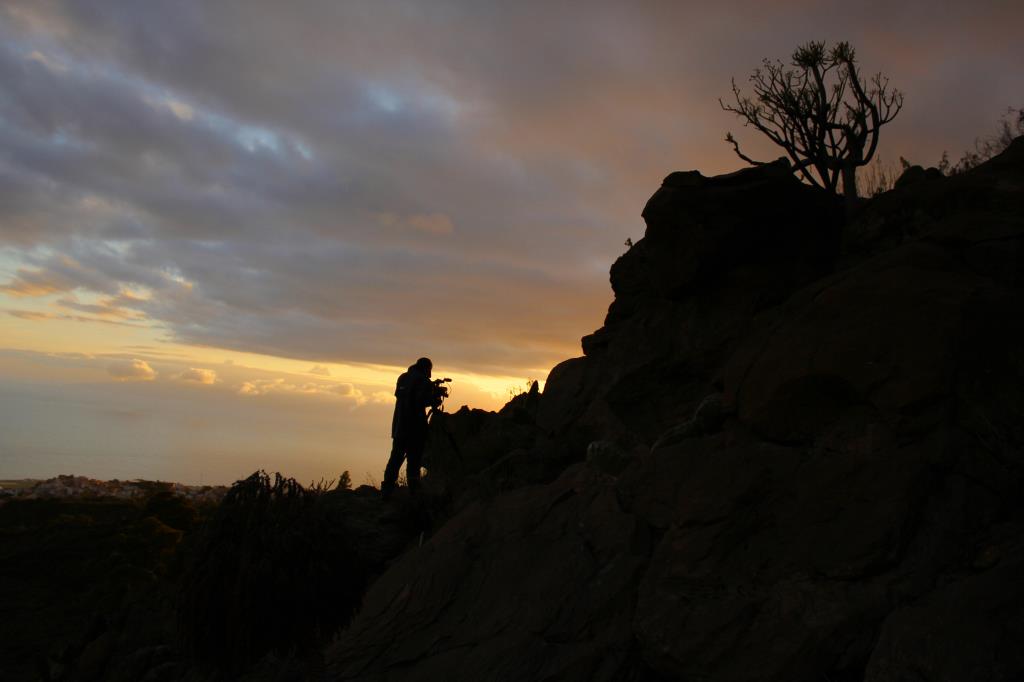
(852, 511)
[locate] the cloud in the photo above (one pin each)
(383, 398)
(410, 179)
(117, 307)
(58, 273)
(437, 224)
(128, 370)
(180, 109)
(346, 390)
(31, 315)
(280, 386)
(199, 375)
(320, 370)
(46, 61)
(31, 283)
(40, 316)
(433, 223)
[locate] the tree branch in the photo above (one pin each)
(736, 148)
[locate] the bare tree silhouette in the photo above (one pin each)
(820, 110)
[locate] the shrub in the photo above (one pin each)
(272, 570)
(1011, 125)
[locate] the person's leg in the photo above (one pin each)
(391, 470)
(412, 464)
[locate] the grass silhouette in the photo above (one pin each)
(273, 571)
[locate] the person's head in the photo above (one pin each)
(424, 365)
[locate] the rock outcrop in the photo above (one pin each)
(716, 253)
(833, 490)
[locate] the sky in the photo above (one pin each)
(225, 227)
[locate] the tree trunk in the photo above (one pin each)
(850, 182)
(849, 171)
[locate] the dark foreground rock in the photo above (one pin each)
(833, 491)
(535, 584)
(968, 628)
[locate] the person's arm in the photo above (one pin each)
(424, 393)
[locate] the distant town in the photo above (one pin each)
(81, 486)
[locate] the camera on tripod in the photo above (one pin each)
(440, 393)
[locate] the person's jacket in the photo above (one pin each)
(415, 393)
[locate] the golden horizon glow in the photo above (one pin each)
(81, 338)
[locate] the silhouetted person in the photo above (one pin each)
(414, 393)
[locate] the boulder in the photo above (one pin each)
(968, 629)
(884, 335)
(904, 342)
(775, 562)
(707, 418)
(700, 229)
(470, 440)
(917, 174)
(608, 457)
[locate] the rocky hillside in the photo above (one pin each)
(794, 451)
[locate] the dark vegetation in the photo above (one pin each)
(157, 589)
(1010, 127)
(87, 587)
(881, 175)
(274, 569)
